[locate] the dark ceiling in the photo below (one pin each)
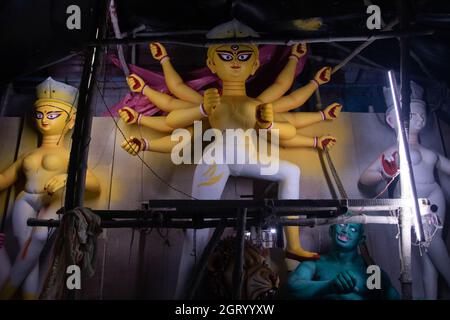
(33, 32)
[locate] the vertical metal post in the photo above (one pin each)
(405, 224)
(198, 273)
(406, 213)
(4, 98)
(404, 65)
(141, 277)
(81, 137)
(240, 247)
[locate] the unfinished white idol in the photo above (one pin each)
(435, 260)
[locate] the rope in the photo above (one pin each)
(118, 35)
(143, 161)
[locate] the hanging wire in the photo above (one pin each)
(141, 159)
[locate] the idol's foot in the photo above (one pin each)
(301, 255)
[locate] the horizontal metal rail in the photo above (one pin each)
(199, 214)
(201, 41)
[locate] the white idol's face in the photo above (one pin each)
(417, 118)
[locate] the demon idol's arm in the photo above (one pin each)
(161, 100)
(304, 119)
(173, 80)
(286, 77)
(301, 283)
(300, 96)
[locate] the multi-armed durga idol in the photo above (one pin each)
(232, 108)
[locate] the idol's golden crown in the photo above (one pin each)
(59, 94)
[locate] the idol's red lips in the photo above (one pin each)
(343, 237)
(236, 67)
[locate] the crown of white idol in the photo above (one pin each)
(59, 94)
(416, 96)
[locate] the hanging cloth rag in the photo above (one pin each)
(76, 244)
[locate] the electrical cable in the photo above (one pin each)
(141, 159)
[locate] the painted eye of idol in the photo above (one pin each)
(244, 56)
(225, 56)
(39, 115)
(53, 115)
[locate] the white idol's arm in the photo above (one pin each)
(443, 164)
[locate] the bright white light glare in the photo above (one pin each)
(273, 230)
(248, 234)
(405, 174)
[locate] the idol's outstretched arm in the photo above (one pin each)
(174, 82)
(382, 169)
(299, 141)
(304, 119)
(134, 145)
(131, 116)
(161, 100)
(301, 95)
(286, 77)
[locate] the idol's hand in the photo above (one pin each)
(264, 115)
(323, 75)
(211, 99)
(390, 165)
(55, 183)
(133, 145)
(344, 282)
(128, 115)
(299, 50)
(158, 51)
(332, 111)
(135, 83)
(325, 142)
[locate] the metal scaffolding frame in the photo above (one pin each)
(243, 214)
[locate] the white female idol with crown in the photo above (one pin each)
(45, 173)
